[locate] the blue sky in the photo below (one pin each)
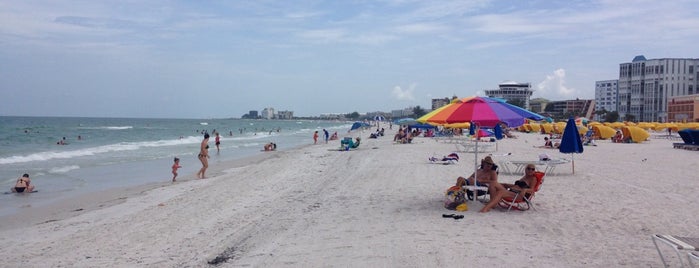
(217, 59)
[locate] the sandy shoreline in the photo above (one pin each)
(379, 206)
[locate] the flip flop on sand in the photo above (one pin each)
(454, 216)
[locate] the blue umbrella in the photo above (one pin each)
(357, 125)
(571, 143)
(378, 118)
(405, 121)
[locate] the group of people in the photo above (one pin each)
(378, 133)
(403, 136)
(487, 176)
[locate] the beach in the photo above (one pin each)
(378, 206)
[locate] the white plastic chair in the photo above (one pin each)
(677, 243)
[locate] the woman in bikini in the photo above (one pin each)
(23, 184)
(204, 156)
(501, 190)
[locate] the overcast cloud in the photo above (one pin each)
(192, 59)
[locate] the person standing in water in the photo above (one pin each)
(218, 142)
(174, 169)
(204, 157)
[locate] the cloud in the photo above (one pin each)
(401, 94)
(554, 86)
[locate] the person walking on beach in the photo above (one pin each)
(327, 135)
(315, 137)
(204, 156)
(218, 142)
(23, 185)
(174, 169)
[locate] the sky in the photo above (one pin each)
(221, 59)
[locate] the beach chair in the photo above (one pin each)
(523, 199)
(678, 243)
(480, 189)
(693, 259)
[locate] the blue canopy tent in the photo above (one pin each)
(421, 126)
(357, 125)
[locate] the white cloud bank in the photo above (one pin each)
(401, 94)
(554, 86)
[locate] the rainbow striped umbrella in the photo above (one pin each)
(483, 111)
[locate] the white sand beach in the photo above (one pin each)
(378, 206)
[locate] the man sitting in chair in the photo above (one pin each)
(500, 190)
(487, 174)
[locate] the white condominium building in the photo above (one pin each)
(645, 86)
(606, 98)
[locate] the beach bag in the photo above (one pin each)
(454, 197)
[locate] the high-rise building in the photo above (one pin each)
(646, 86)
(268, 113)
(513, 92)
(606, 97)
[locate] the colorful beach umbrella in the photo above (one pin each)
(480, 112)
(483, 111)
(570, 142)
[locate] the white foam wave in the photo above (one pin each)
(117, 147)
(109, 127)
(63, 169)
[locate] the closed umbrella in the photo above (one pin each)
(571, 143)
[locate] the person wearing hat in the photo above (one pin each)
(486, 174)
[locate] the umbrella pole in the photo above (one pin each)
(573, 157)
(475, 168)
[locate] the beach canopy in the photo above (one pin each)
(637, 134)
(405, 121)
(421, 126)
(570, 142)
(603, 132)
(358, 124)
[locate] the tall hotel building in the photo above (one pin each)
(606, 98)
(646, 86)
(510, 90)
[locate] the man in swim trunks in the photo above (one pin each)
(23, 184)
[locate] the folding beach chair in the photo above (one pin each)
(523, 199)
(693, 259)
(677, 243)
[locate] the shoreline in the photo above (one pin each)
(72, 206)
(382, 205)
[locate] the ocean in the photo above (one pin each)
(104, 153)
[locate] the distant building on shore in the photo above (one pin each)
(647, 86)
(268, 113)
(567, 108)
(285, 115)
(606, 97)
(515, 93)
(683, 108)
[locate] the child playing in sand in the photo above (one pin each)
(174, 168)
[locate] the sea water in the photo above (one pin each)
(69, 156)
